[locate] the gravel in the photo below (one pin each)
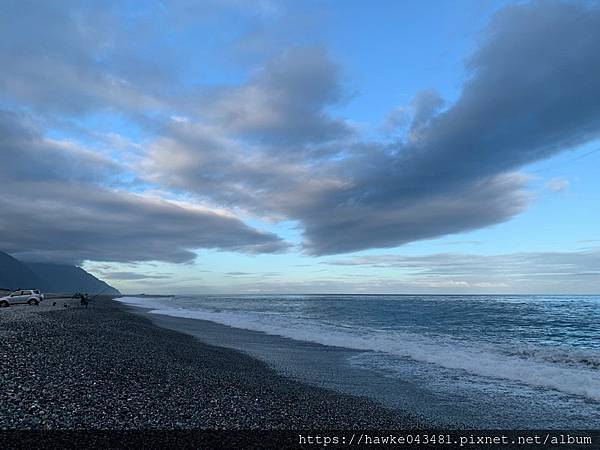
(66, 367)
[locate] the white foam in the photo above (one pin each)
(534, 366)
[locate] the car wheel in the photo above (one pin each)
(33, 301)
(4, 304)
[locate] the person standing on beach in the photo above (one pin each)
(85, 300)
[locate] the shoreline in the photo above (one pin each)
(317, 365)
(111, 369)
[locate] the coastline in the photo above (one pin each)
(312, 352)
(317, 365)
(111, 369)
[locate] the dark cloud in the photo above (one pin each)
(532, 92)
(74, 222)
(55, 208)
(284, 103)
(271, 145)
(198, 159)
(401, 220)
(28, 157)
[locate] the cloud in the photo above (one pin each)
(396, 221)
(283, 103)
(73, 58)
(515, 272)
(458, 264)
(503, 119)
(558, 184)
(202, 160)
(268, 146)
(29, 157)
(133, 276)
(57, 206)
(72, 223)
(396, 120)
(252, 274)
(425, 106)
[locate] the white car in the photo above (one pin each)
(29, 296)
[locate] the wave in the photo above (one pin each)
(569, 371)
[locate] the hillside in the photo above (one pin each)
(65, 278)
(15, 274)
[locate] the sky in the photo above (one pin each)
(304, 147)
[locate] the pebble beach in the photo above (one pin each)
(65, 367)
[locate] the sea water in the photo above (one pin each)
(486, 361)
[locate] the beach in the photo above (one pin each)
(106, 368)
(460, 362)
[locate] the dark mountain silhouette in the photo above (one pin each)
(15, 274)
(65, 278)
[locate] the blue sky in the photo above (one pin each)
(319, 146)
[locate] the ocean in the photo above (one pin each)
(477, 361)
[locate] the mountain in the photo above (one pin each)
(65, 278)
(15, 274)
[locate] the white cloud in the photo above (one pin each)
(558, 184)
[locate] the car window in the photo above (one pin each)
(36, 292)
